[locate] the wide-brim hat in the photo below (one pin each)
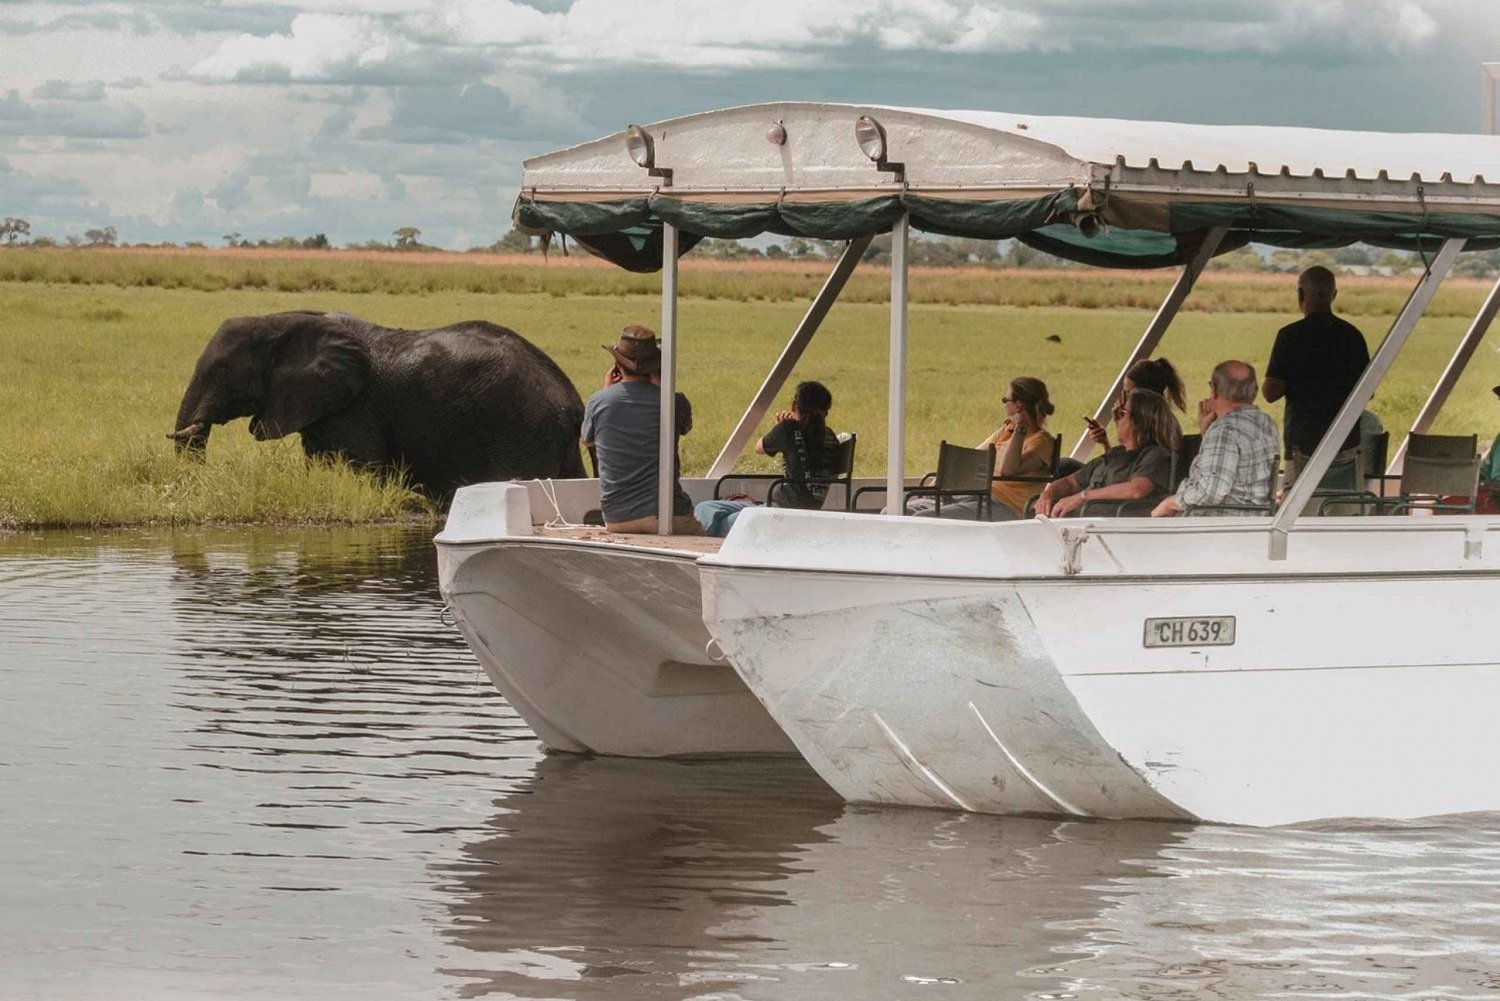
(637, 351)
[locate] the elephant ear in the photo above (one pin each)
(319, 368)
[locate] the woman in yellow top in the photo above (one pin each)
(1022, 448)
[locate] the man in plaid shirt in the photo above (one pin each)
(1237, 463)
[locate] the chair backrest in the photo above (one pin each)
(1346, 472)
(1443, 446)
(1066, 466)
(1182, 459)
(1429, 476)
(843, 462)
(1057, 457)
(965, 469)
(1376, 449)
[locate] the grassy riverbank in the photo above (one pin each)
(94, 373)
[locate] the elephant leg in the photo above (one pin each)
(350, 434)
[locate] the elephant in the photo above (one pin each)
(460, 404)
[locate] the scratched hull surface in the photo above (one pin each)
(1032, 691)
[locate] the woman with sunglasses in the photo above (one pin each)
(1023, 448)
(1137, 469)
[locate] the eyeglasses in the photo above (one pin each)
(1009, 399)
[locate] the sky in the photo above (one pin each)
(190, 120)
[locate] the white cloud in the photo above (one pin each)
(318, 47)
(354, 116)
(344, 38)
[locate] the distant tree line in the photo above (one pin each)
(924, 251)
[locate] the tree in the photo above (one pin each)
(1244, 259)
(1357, 255)
(515, 242)
(100, 237)
(13, 230)
(407, 237)
(318, 241)
(1478, 265)
(232, 239)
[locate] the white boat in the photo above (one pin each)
(596, 640)
(1028, 668)
(1242, 670)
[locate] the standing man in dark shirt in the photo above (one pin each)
(621, 424)
(1315, 365)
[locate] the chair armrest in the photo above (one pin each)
(1267, 508)
(742, 476)
(1364, 498)
(1105, 507)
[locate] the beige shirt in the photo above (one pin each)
(1036, 460)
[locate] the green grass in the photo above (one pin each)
(361, 273)
(94, 374)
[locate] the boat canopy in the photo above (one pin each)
(1113, 193)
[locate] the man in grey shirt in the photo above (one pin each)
(622, 424)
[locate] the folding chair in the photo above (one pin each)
(843, 465)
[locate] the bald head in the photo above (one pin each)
(1316, 290)
(1235, 382)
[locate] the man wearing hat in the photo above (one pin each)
(621, 424)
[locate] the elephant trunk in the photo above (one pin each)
(193, 423)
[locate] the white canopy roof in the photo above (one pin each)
(1241, 149)
(961, 153)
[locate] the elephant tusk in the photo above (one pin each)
(191, 431)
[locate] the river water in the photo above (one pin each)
(258, 765)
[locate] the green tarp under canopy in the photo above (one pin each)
(628, 231)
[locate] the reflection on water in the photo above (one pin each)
(257, 764)
(619, 877)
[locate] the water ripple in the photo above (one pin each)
(258, 764)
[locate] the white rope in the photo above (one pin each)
(549, 491)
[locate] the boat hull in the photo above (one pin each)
(600, 648)
(1346, 692)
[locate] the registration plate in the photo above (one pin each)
(1204, 630)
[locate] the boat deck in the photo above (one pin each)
(698, 545)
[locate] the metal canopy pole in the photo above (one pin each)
(790, 355)
(1491, 79)
(666, 454)
(895, 449)
(1449, 379)
(1155, 330)
(1333, 439)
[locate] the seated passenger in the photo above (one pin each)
(808, 449)
(1137, 469)
(1155, 374)
(1022, 448)
(620, 426)
(1489, 473)
(1237, 462)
